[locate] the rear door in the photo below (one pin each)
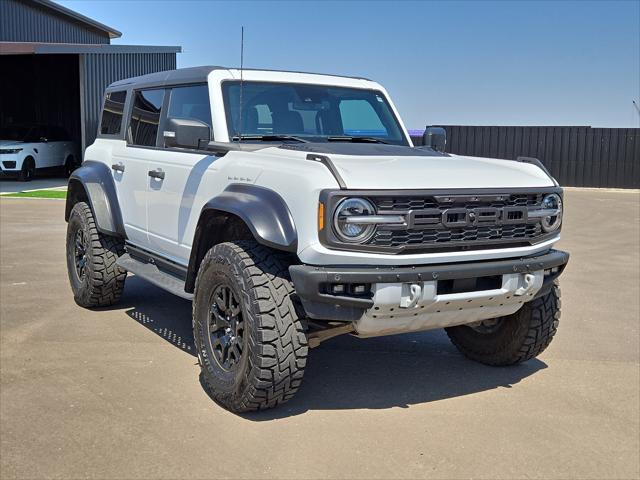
(176, 194)
(132, 139)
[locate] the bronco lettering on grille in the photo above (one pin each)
(465, 217)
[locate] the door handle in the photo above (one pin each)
(117, 167)
(157, 173)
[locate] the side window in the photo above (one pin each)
(41, 134)
(52, 134)
(57, 134)
(112, 113)
(63, 135)
(191, 103)
(359, 118)
(145, 117)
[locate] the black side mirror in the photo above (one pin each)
(186, 133)
(435, 137)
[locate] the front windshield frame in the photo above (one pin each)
(401, 138)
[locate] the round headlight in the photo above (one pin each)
(349, 231)
(553, 202)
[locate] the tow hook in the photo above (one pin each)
(529, 280)
(410, 299)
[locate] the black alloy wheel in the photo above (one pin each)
(28, 170)
(226, 328)
(80, 254)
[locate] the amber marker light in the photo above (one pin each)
(320, 216)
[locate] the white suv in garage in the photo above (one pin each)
(24, 150)
(294, 207)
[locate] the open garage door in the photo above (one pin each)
(41, 90)
(63, 84)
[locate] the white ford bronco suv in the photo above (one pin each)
(293, 207)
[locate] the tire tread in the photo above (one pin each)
(536, 323)
(280, 348)
(106, 283)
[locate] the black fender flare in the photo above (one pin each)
(93, 181)
(262, 210)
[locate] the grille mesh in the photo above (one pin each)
(434, 236)
(421, 203)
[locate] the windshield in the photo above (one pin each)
(274, 111)
(16, 132)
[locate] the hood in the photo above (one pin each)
(10, 143)
(388, 167)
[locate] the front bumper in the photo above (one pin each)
(9, 173)
(388, 286)
(10, 165)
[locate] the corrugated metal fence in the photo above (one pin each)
(575, 156)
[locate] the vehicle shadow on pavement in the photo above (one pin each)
(347, 372)
(395, 371)
(164, 314)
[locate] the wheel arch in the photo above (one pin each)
(30, 156)
(242, 212)
(92, 183)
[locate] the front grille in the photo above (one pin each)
(401, 203)
(428, 229)
(414, 237)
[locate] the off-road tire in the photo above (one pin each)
(103, 281)
(275, 349)
(28, 170)
(520, 337)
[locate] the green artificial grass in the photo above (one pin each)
(39, 194)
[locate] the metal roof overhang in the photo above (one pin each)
(34, 48)
(90, 22)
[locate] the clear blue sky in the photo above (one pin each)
(462, 62)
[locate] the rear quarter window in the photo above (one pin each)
(111, 123)
(145, 117)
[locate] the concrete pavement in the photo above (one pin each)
(13, 186)
(114, 393)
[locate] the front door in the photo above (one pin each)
(175, 197)
(175, 187)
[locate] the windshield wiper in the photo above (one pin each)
(347, 138)
(269, 138)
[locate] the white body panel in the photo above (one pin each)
(452, 172)
(175, 202)
(131, 185)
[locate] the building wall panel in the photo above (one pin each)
(26, 22)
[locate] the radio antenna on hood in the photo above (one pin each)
(239, 132)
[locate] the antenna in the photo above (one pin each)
(241, 82)
(636, 105)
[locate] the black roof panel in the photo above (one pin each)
(167, 77)
(190, 75)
